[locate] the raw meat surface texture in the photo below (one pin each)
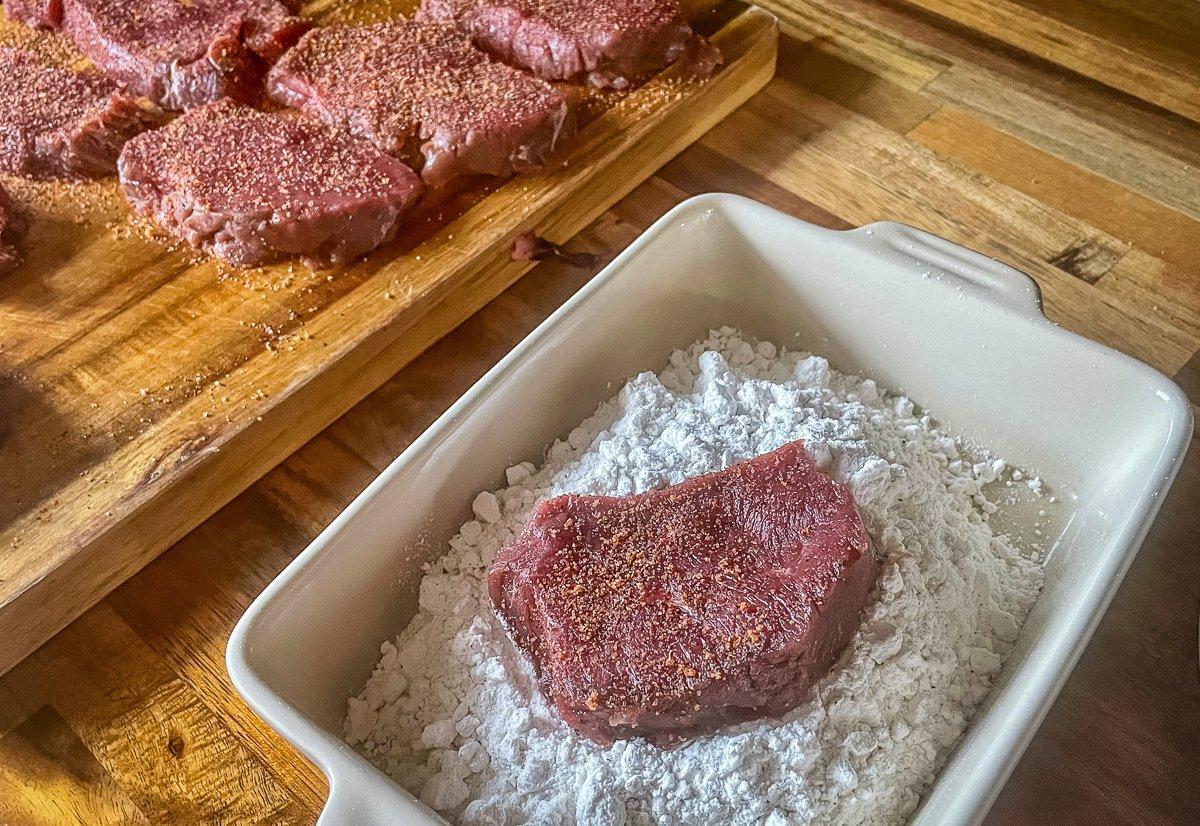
(62, 123)
(181, 54)
(675, 612)
(252, 186)
(422, 92)
(608, 43)
(44, 14)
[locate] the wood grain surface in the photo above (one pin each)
(1061, 137)
(157, 389)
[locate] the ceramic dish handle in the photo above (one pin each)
(1008, 286)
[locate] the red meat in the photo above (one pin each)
(44, 14)
(60, 123)
(610, 43)
(184, 54)
(675, 612)
(421, 89)
(252, 186)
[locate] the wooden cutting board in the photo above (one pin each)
(141, 389)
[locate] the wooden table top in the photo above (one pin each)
(1060, 136)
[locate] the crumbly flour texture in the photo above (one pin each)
(452, 711)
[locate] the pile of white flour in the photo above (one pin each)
(452, 711)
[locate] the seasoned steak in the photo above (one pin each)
(11, 230)
(60, 123)
(610, 43)
(44, 14)
(184, 54)
(421, 89)
(251, 186)
(674, 612)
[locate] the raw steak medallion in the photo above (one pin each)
(253, 186)
(608, 43)
(60, 123)
(421, 90)
(184, 54)
(674, 612)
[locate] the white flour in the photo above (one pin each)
(452, 712)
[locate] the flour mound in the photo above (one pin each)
(452, 711)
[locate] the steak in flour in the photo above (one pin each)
(675, 612)
(11, 230)
(184, 53)
(421, 90)
(608, 43)
(62, 123)
(252, 186)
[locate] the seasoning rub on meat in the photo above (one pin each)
(608, 43)
(422, 92)
(252, 186)
(674, 612)
(178, 54)
(43, 14)
(61, 123)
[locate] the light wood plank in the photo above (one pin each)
(1160, 75)
(701, 170)
(1165, 29)
(1061, 113)
(47, 776)
(1105, 204)
(1080, 138)
(172, 757)
(211, 581)
(862, 172)
(1162, 290)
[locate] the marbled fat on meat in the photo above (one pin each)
(609, 43)
(422, 90)
(252, 186)
(62, 123)
(182, 55)
(674, 612)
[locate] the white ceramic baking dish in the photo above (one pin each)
(961, 334)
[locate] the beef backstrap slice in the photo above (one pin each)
(62, 123)
(608, 43)
(252, 187)
(12, 229)
(675, 612)
(184, 54)
(422, 92)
